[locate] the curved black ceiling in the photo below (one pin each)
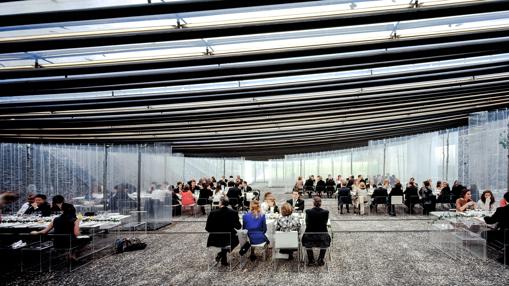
(292, 83)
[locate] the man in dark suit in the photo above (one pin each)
(39, 207)
(316, 234)
(379, 196)
(309, 185)
(344, 197)
(330, 186)
(296, 202)
(233, 194)
(501, 233)
(411, 197)
(221, 224)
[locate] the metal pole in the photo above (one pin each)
(105, 177)
(29, 167)
(385, 154)
(138, 191)
(351, 163)
(507, 147)
(447, 159)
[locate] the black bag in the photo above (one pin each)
(243, 250)
(129, 244)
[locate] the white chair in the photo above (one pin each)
(264, 246)
(191, 207)
(285, 240)
(396, 201)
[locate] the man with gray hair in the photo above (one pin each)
(221, 225)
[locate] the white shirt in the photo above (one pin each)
(266, 209)
(485, 206)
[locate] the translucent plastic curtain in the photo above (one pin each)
(14, 169)
(487, 151)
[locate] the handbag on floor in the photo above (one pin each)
(129, 244)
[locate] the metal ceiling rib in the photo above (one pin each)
(257, 79)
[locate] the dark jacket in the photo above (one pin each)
(501, 216)
(233, 195)
(204, 196)
(380, 195)
(411, 195)
(42, 210)
(316, 234)
(395, 192)
(445, 195)
(299, 204)
(330, 183)
(320, 186)
(309, 184)
(456, 192)
(221, 224)
(344, 196)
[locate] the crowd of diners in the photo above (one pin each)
(234, 194)
(355, 190)
(65, 225)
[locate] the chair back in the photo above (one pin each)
(286, 240)
(397, 200)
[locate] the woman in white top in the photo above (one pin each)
(269, 204)
(361, 196)
(487, 201)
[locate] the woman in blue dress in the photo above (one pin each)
(254, 222)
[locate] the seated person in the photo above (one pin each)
(316, 234)
(411, 196)
(233, 194)
(269, 205)
(487, 201)
(361, 197)
(465, 202)
(428, 198)
(320, 186)
(39, 206)
(176, 204)
(344, 196)
(66, 229)
(187, 196)
(204, 197)
(254, 222)
(296, 202)
(501, 233)
(56, 204)
(287, 222)
(120, 200)
(330, 186)
(27, 204)
(397, 191)
(221, 225)
(159, 193)
(309, 185)
(379, 196)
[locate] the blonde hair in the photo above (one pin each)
(254, 207)
(266, 195)
(286, 209)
